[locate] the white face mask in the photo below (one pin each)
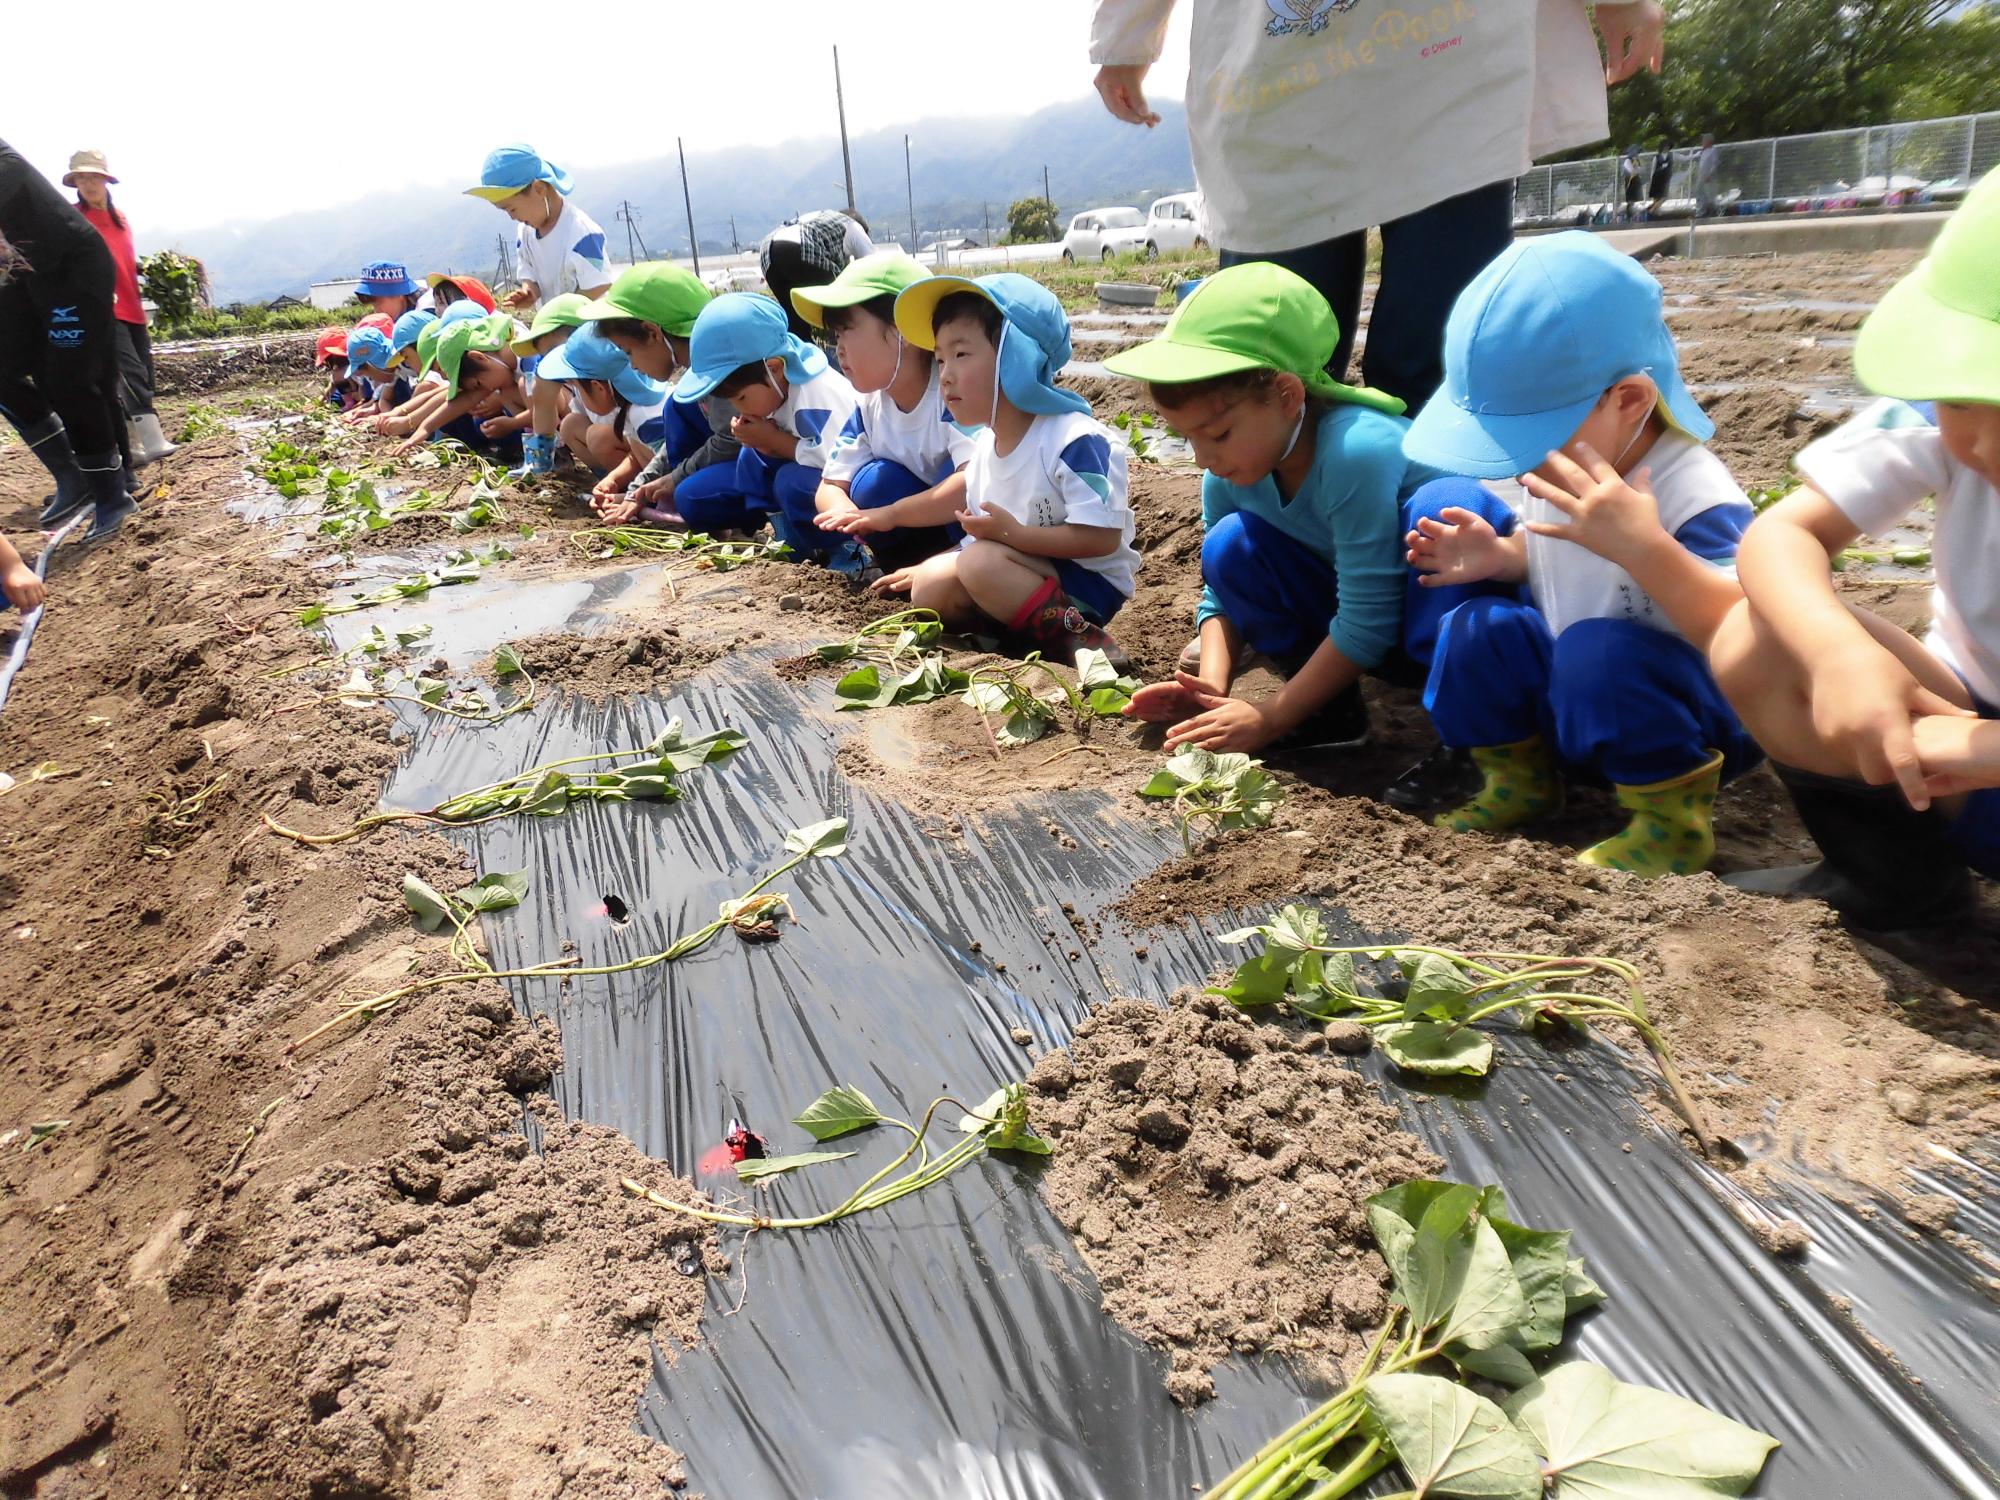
(998, 350)
(1618, 463)
(1298, 429)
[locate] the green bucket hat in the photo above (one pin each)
(1249, 317)
(657, 292)
(1936, 335)
(565, 311)
(489, 335)
(883, 274)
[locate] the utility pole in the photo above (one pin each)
(735, 245)
(1047, 196)
(694, 250)
(910, 187)
(503, 271)
(986, 213)
(625, 213)
(840, 103)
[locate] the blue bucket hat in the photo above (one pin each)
(403, 338)
(508, 169)
(589, 355)
(386, 278)
(738, 329)
(1034, 341)
(1540, 335)
(367, 346)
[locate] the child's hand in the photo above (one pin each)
(409, 445)
(494, 427)
(24, 590)
(898, 582)
(1223, 724)
(1609, 514)
(619, 512)
(394, 426)
(852, 520)
(658, 493)
(521, 296)
(760, 433)
(1958, 754)
(988, 526)
(609, 485)
(1171, 702)
(1460, 547)
(1864, 704)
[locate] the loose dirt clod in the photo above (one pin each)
(595, 667)
(1214, 1170)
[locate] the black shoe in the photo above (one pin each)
(1445, 775)
(1887, 868)
(50, 442)
(114, 502)
(1340, 724)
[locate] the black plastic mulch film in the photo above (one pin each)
(953, 1347)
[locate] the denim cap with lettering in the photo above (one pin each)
(668, 296)
(1034, 337)
(403, 338)
(1936, 335)
(1248, 317)
(489, 335)
(386, 278)
(589, 355)
(738, 329)
(509, 169)
(1532, 346)
(367, 347)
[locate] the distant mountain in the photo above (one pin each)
(962, 171)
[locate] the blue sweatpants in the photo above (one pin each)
(742, 495)
(1976, 830)
(879, 482)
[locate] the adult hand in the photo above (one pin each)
(1609, 514)
(1122, 88)
(1635, 37)
(1461, 546)
(1223, 725)
(1864, 703)
(24, 590)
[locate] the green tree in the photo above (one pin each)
(1031, 221)
(1955, 71)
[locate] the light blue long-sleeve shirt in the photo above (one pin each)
(1348, 513)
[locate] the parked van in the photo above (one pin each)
(1173, 223)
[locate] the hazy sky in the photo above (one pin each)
(217, 110)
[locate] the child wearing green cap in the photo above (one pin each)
(548, 401)
(1047, 552)
(896, 474)
(481, 372)
(1302, 558)
(1889, 745)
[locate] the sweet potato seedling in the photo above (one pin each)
(461, 566)
(1427, 1020)
(1229, 791)
(1480, 1295)
(998, 1124)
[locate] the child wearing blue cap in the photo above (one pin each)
(481, 378)
(424, 392)
(560, 247)
(1581, 648)
(618, 415)
(790, 407)
(369, 360)
(388, 288)
(1047, 553)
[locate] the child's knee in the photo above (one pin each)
(1226, 548)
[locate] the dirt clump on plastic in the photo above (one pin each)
(1214, 1171)
(649, 659)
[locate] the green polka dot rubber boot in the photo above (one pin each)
(1672, 831)
(1521, 783)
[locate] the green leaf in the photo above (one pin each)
(1491, 1308)
(820, 840)
(1026, 1141)
(431, 689)
(757, 1168)
(1106, 702)
(1437, 990)
(1601, 1439)
(1451, 1441)
(41, 1130)
(1094, 669)
(1167, 784)
(1261, 981)
(986, 1115)
(497, 891)
(837, 651)
(312, 614)
(1421, 1228)
(837, 1112)
(506, 661)
(862, 688)
(1437, 1051)
(1260, 795)
(1297, 928)
(1503, 1364)
(1540, 1258)
(1022, 729)
(431, 908)
(987, 697)
(1579, 1291)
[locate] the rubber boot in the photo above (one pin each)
(1886, 866)
(1058, 629)
(1445, 775)
(1672, 830)
(148, 443)
(1519, 783)
(538, 456)
(107, 491)
(50, 441)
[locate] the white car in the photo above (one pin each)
(1100, 233)
(1173, 223)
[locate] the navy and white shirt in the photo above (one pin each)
(815, 411)
(1066, 471)
(923, 440)
(569, 258)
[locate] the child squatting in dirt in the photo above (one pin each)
(1889, 745)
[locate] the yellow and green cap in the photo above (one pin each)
(489, 335)
(566, 311)
(1249, 317)
(1936, 335)
(883, 274)
(668, 296)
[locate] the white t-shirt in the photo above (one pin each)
(1314, 118)
(636, 417)
(1701, 507)
(1876, 468)
(1064, 471)
(815, 411)
(569, 258)
(923, 440)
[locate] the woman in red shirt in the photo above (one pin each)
(91, 177)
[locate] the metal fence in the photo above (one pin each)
(1833, 169)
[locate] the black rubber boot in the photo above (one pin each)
(114, 502)
(1443, 776)
(1341, 723)
(50, 441)
(1887, 867)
